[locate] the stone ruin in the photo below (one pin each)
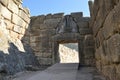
(47, 32)
(27, 43)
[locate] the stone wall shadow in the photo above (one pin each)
(15, 61)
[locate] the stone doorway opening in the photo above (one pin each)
(68, 53)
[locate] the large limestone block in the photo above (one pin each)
(48, 16)
(100, 36)
(85, 31)
(52, 23)
(83, 24)
(103, 54)
(82, 19)
(13, 7)
(109, 71)
(3, 40)
(5, 2)
(116, 18)
(89, 53)
(23, 31)
(9, 24)
(37, 20)
(18, 21)
(26, 10)
(95, 9)
(35, 26)
(43, 26)
(5, 12)
(35, 32)
(98, 53)
(14, 34)
(114, 47)
(118, 72)
(17, 29)
(35, 39)
(44, 61)
(98, 23)
(98, 65)
(77, 15)
(88, 41)
(105, 6)
(47, 55)
(24, 16)
(108, 27)
(58, 15)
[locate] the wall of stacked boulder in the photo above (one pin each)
(27, 42)
(15, 53)
(105, 23)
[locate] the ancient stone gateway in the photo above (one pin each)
(51, 30)
(66, 32)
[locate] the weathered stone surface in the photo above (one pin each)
(17, 29)
(77, 15)
(45, 27)
(5, 12)
(58, 15)
(83, 25)
(82, 19)
(100, 36)
(85, 31)
(101, 15)
(105, 24)
(26, 10)
(114, 47)
(13, 7)
(16, 60)
(9, 25)
(109, 71)
(67, 25)
(89, 53)
(48, 16)
(18, 21)
(52, 23)
(24, 16)
(47, 55)
(88, 41)
(35, 39)
(91, 3)
(5, 2)
(13, 34)
(14, 56)
(118, 72)
(23, 31)
(45, 61)
(3, 67)
(35, 26)
(108, 26)
(3, 40)
(99, 65)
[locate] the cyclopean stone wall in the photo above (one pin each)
(43, 29)
(14, 20)
(105, 22)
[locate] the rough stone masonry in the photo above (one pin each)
(105, 23)
(26, 42)
(15, 54)
(48, 31)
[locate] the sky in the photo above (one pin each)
(40, 7)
